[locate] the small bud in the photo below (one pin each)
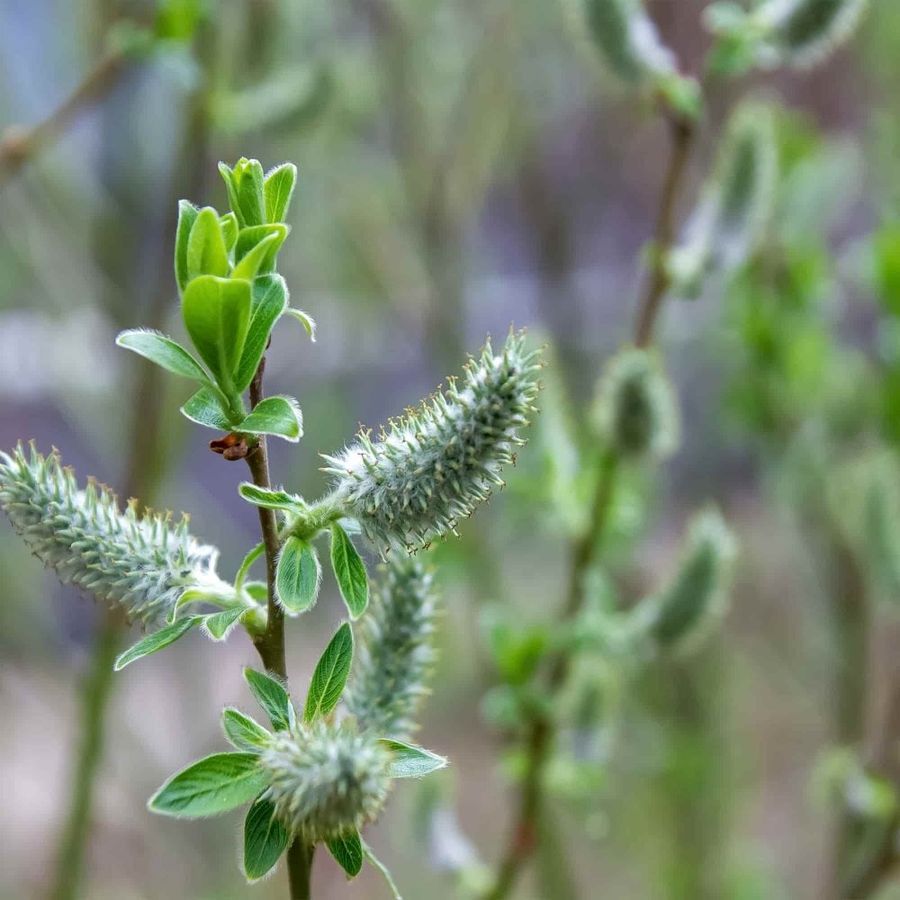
(802, 33)
(325, 780)
(636, 410)
(685, 611)
(141, 563)
(438, 462)
(396, 654)
(246, 192)
(735, 204)
(627, 39)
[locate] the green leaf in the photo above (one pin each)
(230, 230)
(187, 216)
(217, 315)
(205, 408)
(268, 498)
(243, 732)
(278, 188)
(348, 852)
(210, 786)
(350, 571)
(219, 625)
(163, 351)
(305, 319)
(330, 675)
(252, 262)
(409, 761)
(157, 641)
(385, 872)
(206, 253)
(278, 415)
(245, 190)
(273, 697)
(298, 576)
(250, 238)
(249, 559)
(269, 299)
(265, 839)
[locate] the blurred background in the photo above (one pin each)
(464, 165)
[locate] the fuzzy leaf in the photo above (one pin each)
(305, 319)
(187, 216)
(163, 351)
(217, 315)
(243, 732)
(350, 571)
(298, 576)
(409, 761)
(157, 641)
(250, 238)
(278, 188)
(230, 230)
(205, 408)
(265, 839)
(276, 415)
(347, 851)
(206, 253)
(267, 498)
(273, 697)
(269, 299)
(211, 786)
(330, 675)
(220, 624)
(245, 190)
(252, 261)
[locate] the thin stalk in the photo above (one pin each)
(270, 645)
(541, 731)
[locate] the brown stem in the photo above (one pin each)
(681, 136)
(270, 645)
(541, 731)
(18, 144)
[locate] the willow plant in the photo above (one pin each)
(319, 772)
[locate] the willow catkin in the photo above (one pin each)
(735, 203)
(802, 33)
(695, 599)
(396, 652)
(636, 412)
(325, 780)
(435, 464)
(141, 563)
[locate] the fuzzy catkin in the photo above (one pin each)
(438, 462)
(803, 32)
(736, 201)
(695, 598)
(325, 780)
(141, 563)
(635, 411)
(396, 653)
(627, 38)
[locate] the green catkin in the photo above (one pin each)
(438, 462)
(396, 653)
(325, 780)
(803, 32)
(141, 563)
(627, 38)
(696, 597)
(636, 411)
(735, 204)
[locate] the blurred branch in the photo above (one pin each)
(19, 144)
(541, 733)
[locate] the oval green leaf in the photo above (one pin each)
(330, 675)
(350, 572)
(157, 641)
(273, 697)
(409, 761)
(244, 732)
(265, 839)
(278, 415)
(163, 351)
(298, 576)
(348, 852)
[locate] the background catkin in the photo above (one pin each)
(141, 563)
(396, 652)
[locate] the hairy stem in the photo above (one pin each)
(270, 645)
(541, 731)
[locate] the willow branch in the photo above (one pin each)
(19, 144)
